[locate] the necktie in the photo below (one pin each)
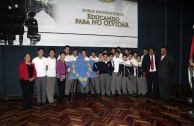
(152, 63)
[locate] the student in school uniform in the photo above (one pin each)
(132, 86)
(105, 71)
(74, 55)
(119, 49)
(51, 76)
(41, 66)
(124, 73)
(85, 90)
(126, 51)
(116, 80)
(100, 56)
(113, 51)
(95, 81)
(111, 56)
(141, 80)
(105, 51)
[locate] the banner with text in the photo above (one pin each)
(96, 23)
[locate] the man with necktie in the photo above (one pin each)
(150, 69)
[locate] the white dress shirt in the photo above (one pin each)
(67, 58)
(162, 57)
(51, 71)
(95, 59)
(73, 58)
(87, 58)
(116, 61)
(40, 65)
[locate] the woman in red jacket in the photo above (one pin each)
(27, 74)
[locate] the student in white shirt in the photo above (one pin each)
(116, 80)
(41, 66)
(113, 51)
(100, 56)
(95, 81)
(51, 75)
(74, 55)
(119, 49)
(126, 51)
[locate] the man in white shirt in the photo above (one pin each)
(85, 89)
(95, 81)
(41, 66)
(116, 80)
(51, 75)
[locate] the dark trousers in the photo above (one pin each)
(193, 91)
(152, 84)
(27, 92)
(61, 88)
(164, 88)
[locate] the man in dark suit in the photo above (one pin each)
(166, 68)
(149, 67)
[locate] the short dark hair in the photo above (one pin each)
(152, 48)
(164, 47)
(51, 49)
(75, 49)
(111, 54)
(62, 52)
(105, 49)
(112, 48)
(127, 49)
(118, 47)
(105, 54)
(145, 48)
(67, 46)
(139, 56)
(100, 53)
(117, 51)
(93, 51)
(131, 53)
(40, 48)
(124, 55)
(83, 50)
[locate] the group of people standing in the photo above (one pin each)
(116, 74)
